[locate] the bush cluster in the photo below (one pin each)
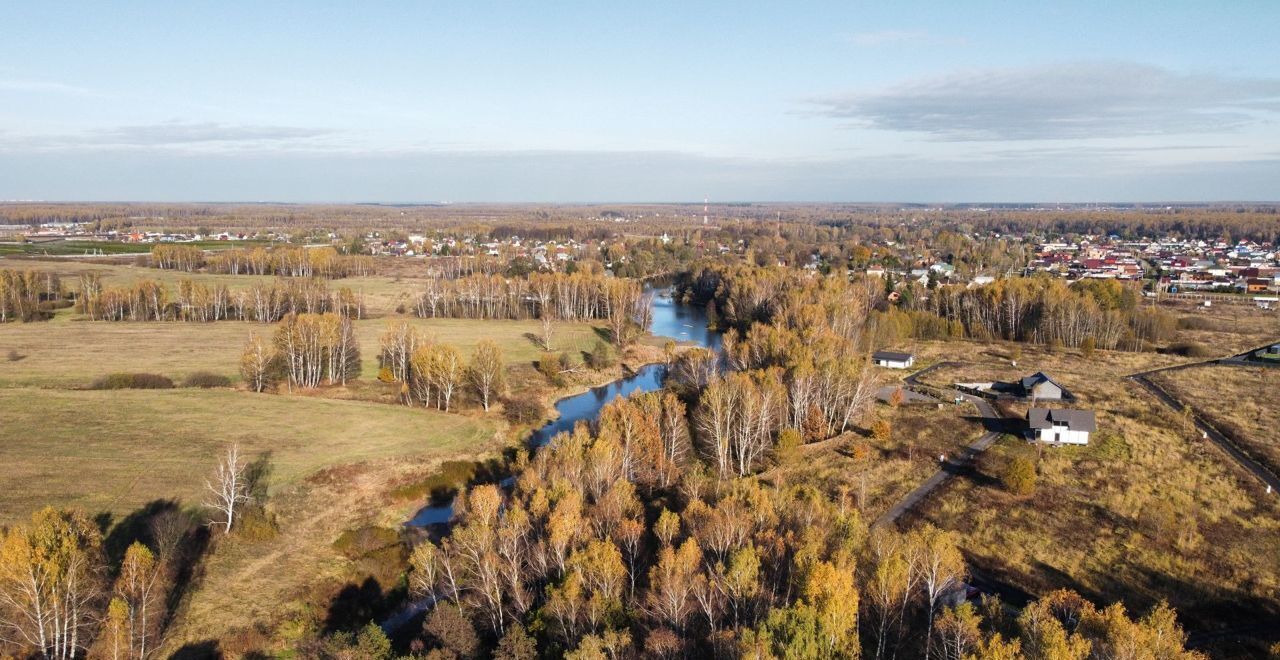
(127, 381)
(1193, 349)
(206, 379)
(524, 409)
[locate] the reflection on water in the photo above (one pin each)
(432, 515)
(680, 322)
(586, 406)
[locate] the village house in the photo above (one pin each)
(1040, 386)
(1060, 425)
(893, 360)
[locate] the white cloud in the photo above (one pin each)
(171, 135)
(1076, 100)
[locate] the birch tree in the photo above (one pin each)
(228, 488)
(256, 363)
(486, 372)
(50, 583)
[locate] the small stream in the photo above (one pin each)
(670, 319)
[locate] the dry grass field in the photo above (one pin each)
(1226, 329)
(265, 588)
(1146, 511)
(114, 451)
(73, 353)
(1243, 402)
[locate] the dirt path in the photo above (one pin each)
(952, 466)
(1235, 453)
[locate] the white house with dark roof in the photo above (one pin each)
(893, 359)
(1060, 425)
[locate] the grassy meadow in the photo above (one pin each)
(114, 451)
(68, 353)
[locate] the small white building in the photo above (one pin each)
(1060, 426)
(893, 360)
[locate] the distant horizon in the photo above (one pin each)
(712, 203)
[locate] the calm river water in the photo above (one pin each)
(670, 319)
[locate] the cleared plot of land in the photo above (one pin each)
(115, 451)
(74, 353)
(1226, 329)
(890, 468)
(1146, 511)
(1243, 402)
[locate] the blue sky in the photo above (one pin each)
(653, 101)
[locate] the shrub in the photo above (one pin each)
(881, 429)
(1197, 323)
(1193, 349)
(601, 356)
(52, 305)
(253, 523)
(549, 366)
(1088, 346)
(126, 381)
(516, 644)
(14, 355)
(452, 629)
(1019, 476)
(206, 379)
(524, 409)
(788, 446)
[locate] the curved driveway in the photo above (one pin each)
(952, 466)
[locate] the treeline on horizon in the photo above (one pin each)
(1255, 221)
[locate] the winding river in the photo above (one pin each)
(670, 319)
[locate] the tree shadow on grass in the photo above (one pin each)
(257, 476)
(175, 535)
(998, 424)
(137, 526)
(355, 605)
(535, 340)
(206, 650)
